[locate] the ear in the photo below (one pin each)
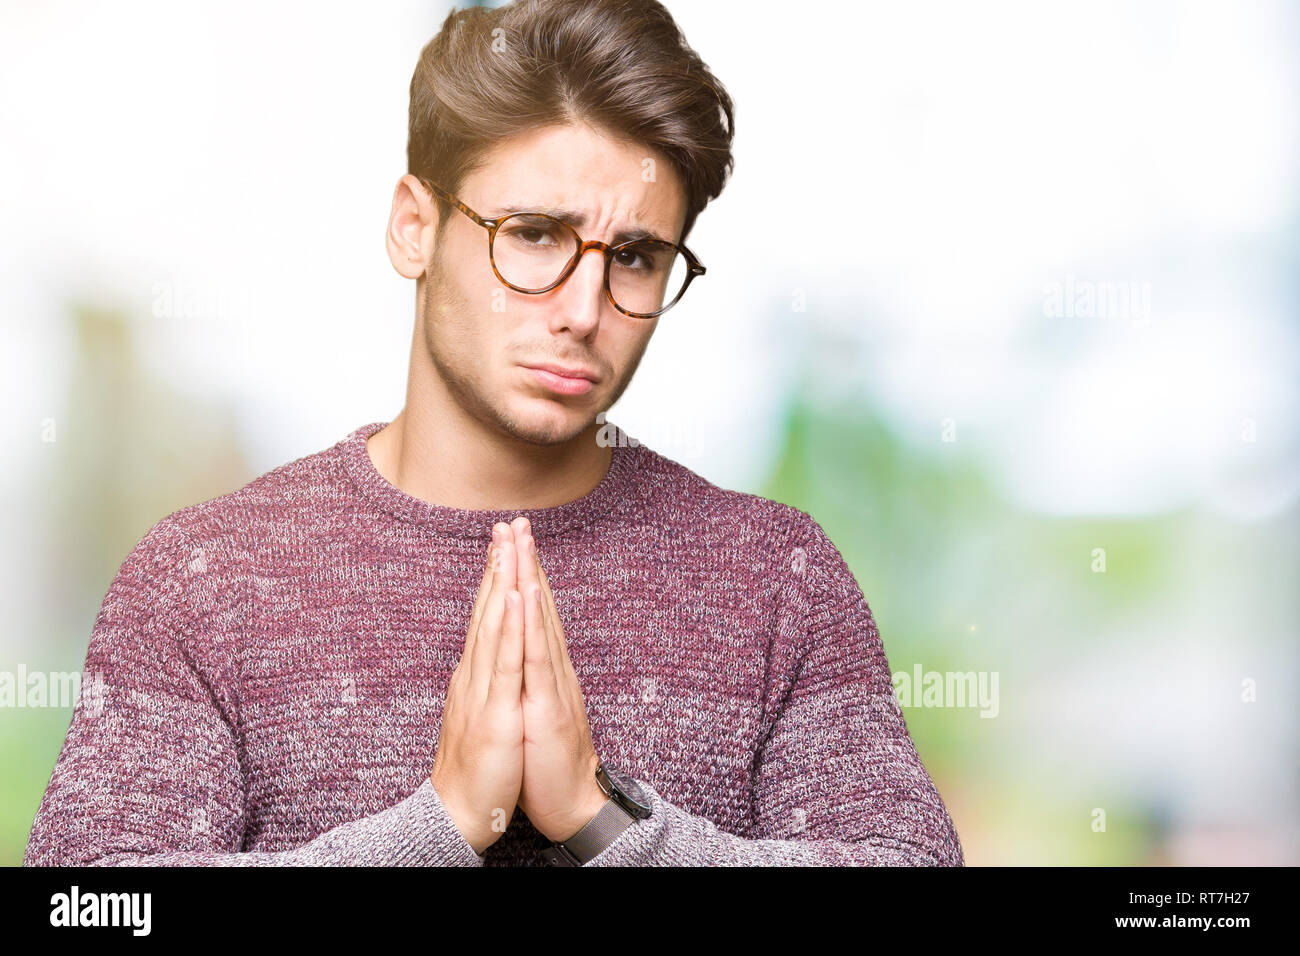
(412, 227)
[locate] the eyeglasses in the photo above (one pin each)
(537, 252)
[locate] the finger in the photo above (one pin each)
(489, 566)
(559, 657)
(540, 680)
(554, 627)
(529, 566)
(540, 648)
(489, 632)
(568, 687)
(506, 683)
(480, 600)
(527, 554)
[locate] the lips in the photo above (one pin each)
(567, 371)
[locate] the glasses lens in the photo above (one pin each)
(530, 251)
(647, 276)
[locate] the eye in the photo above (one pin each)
(532, 233)
(647, 256)
(632, 258)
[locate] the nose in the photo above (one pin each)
(584, 292)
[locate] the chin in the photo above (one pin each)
(546, 422)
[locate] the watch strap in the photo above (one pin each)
(598, 833)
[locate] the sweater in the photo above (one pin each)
(265, 679)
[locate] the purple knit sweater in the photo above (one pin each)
(265, 680)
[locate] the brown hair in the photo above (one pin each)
(622, 66)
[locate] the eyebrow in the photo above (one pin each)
(577, 220)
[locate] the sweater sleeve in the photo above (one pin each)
(150, 774)
(838, 781)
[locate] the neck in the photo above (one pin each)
(433, 450)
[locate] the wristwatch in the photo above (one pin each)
(627, 805)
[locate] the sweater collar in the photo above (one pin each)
(613, 491)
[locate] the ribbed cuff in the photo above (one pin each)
(429, 836)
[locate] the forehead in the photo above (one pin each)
(586, 176)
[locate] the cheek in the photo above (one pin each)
(463, 316)
(630, 347)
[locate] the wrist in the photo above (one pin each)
(479, 835)
(593, 838)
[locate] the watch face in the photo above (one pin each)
(631, 790)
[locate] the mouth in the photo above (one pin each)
(564, 380)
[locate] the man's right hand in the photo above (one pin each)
(479, 766)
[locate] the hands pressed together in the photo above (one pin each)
(514, 725)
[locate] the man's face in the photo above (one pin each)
(483, 338)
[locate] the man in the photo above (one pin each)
(495, 631)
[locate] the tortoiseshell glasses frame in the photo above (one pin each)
(693, 265)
